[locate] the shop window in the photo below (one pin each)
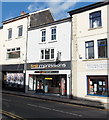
(95, 19)
(15, 80)
(89, 49)
(13, 53)
(53, 33)
(47, 54)
(10, 33)
(32, 83)
(43, 38)
(102, 48)
(20, 30)
(98, 85)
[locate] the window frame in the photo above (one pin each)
(20, 34)
(92, 17)
(53, 34)
(106, 49)
(43, 35)
(101, 82)
(13, 50)
(9, 34)
(43, 56)
(87, 54)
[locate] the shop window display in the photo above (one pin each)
(14, 80)
(98, 85)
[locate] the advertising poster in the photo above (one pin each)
(15, 79)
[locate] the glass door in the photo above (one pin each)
(40, 84)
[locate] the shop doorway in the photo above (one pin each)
(52, 84)
(40, 84)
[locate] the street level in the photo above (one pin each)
(25, 107)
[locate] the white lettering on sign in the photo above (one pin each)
(47, 66)
(97, 66)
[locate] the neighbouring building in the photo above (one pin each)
(90, 52)
(13, 57)
(49, 58)
(14, 36)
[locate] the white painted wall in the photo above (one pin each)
(84, 33)
(1, 45)
(62, 43)
(15, 41)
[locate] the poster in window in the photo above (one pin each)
(100, 89)
(100, 82)
(104, 83)
(95, 87)
(104, 89)
(90, 82)
(15, 79)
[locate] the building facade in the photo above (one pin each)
(90, 56)
(14, 36)
(48, 65)
(14, 47)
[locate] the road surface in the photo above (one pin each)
(26, 107)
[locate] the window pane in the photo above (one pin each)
(102, 48)
(47, 54)
(43, 35)
(14, 54)
(52, 53)
(95, 19)
(89, 50)
(20, 30)
(9, 33)
(42, 54)
(53, 34)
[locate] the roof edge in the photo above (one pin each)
(15, 18)
(89, 7)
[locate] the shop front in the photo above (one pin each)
(98, 85)
(55, 84)
(50, 79)
(13, 77)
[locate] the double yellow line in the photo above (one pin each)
(11, 115)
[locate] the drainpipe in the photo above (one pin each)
(70, 83)
(25, 64)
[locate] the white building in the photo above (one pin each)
(14, 37)
(90, 56)
(48, 58)
(14, 46)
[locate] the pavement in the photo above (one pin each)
(57, 98)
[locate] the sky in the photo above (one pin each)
(59, 8)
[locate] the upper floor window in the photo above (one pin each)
(47, 54)
(95, 19)
(89, 49)
(53, 33)
(13, 53)
(102, 48)
(43, 39)
(20, 30)
(10, 33)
